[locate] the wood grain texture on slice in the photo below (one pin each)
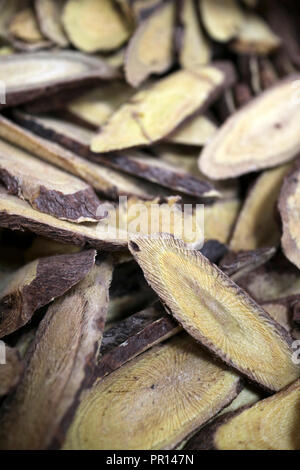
(194, 48)
(11, 368)
(46, 188)
(257, 225)
(255, 37)
(159, 398)
(17, 214)
(216, 312)
(219, 219)
(94, 25)
(270, 424)
(105, 180)
(156, 111)
(197, 131)
(133, 336)
(242, 143)
(49, 17)
(24, 26)
(222, 19)
(32, 75)
(59, 365)
(38, 283)
(289, 211)
(150, 49)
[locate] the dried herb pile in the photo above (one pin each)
(114, 336)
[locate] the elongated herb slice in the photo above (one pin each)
(59, 365)
(24, 26)
(219, 219)
(197, 131)
(216, 312)
(155, 112)
(67, 69)
(270, 424)
(49, 18)
(37, 283)
(242, 143)
(150, 49)
(172, 389)
(222, 18)
(94, 25)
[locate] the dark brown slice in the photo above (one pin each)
(242, 94)
(108, 182)
(156, 111)
(255, 37)
(47, 188)
(238, 264)
(216, 312)
(136, 163)
(257, 225)
(222, 19)
(289, 210)
(38, 283)
(150, 49)
(165, 394)
(19, 215)
(67, 69)
(49, 18)
(242, 143)
(59, 365)
(194, 48)
(94, 25)
(11, 368)
(268, 73)
(270, 424)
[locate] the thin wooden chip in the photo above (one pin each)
(154, 113)
(257, 225)
(59, 365)
(242, 143)
(11, 368)
(255, 37)
(32, 75)
(289, 211)
(47, 188)
(216, 312)
(94, 25)
(222, 19)
(270, 424)
(194, 48)
(107, 181)
(150, 49)
(37, 283)
(164, 396)
(49, 18)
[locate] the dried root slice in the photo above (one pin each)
(8, 10)
(94, 25)
(242, 94)
(219, 219)
(255, 37)
(194, 48)
(109, 182)
(164, 394)
(32, 75)
(198, 131)
(150, 49)
(270, 424)
(24, 26)
(155, 112)
(237, 265)
(242, 143)
(222, 19)
(42, 247)
(47, 188)
(216, 312)
(268, 73)
(11, 368)
(59, 365)
(280, 312)
(37, 283)
(49, 18)
(257, 226)
(96, 106)
(132, 336)
(248, 396)
(19, 215)
(289, 210)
